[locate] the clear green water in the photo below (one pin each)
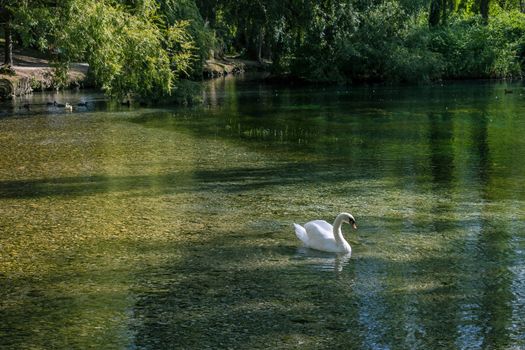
(172, 228)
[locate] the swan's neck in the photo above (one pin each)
(338, 234)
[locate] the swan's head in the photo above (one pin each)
(349, 219)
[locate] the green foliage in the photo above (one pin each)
(34, 25)
(324, 42)
(192, 34)
(144, 47)
(181, 48)
(473, 50)
(415, 64)
(382, 30)
(134, 47)
(391, 41)
(507, 37)
(125, 51)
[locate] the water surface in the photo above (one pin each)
(167, 228)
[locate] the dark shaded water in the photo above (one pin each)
(172, 228)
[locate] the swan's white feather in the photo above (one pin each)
(319, 229)
(300, 232)
(321, 236)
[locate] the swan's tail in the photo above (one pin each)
(300, 232)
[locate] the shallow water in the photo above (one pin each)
(172, 228)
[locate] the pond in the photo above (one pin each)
(172, 227)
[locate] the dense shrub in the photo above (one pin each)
(389, 43)
(471, 49)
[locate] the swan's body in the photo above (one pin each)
(68, 107)
(320, 235)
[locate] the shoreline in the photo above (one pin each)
(34, 72)
(221, 67)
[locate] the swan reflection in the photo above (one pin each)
(324, 261)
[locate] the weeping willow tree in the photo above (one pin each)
(132, 47)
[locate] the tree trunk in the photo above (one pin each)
(260, 40)
(435, 13)
(444, 12)
(8, 49)
(484, 10)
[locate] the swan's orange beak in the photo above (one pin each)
(354, 225)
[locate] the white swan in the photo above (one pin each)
(320, 235)
(68, 107)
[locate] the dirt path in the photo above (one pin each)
(35, 72)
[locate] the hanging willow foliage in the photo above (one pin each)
(130, 48)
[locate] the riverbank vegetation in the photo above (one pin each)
(146, 47)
